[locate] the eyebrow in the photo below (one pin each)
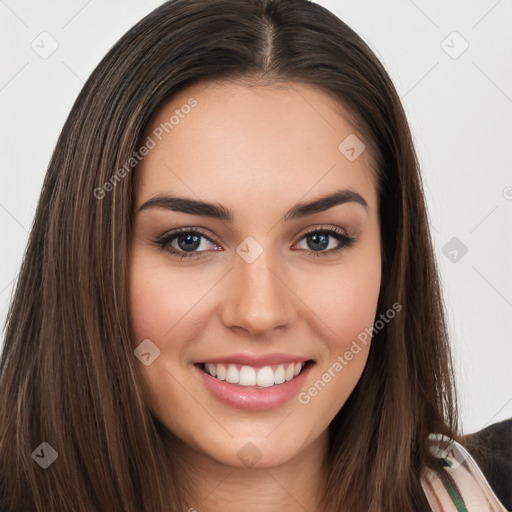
(217, 211)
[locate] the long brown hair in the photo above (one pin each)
(68, 372)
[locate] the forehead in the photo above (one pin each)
(226, 140)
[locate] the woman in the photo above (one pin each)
(229, 294)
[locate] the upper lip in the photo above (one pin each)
(256, 360)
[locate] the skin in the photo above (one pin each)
(257, 151)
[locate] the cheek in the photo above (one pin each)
(158, 299)
(346, 301)
(148, 306)
(347, 305)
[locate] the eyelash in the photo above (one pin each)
(163, 242)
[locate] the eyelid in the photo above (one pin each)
(324, 227)
(191, 229)
(345, 240)
(213, 238)
(343, 236)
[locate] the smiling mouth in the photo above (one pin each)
(259, 378)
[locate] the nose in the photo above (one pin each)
(258, 298)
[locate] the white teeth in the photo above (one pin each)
(279, 375)
(232, 375)
(265, 377)
(221, 372)
(211, 369)
(249, 376)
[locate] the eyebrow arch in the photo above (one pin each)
(217, 211)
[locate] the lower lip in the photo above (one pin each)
(251, 398)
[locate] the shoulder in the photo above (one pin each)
(491, 448)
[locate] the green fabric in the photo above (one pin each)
(456, 499)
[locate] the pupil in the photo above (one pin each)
(319, 242)
(195, 240)
(323, 242)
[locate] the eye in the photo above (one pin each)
(191, 242)
(317, 241)
(184, 243)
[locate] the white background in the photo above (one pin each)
(460, 111)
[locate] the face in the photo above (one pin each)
(255, 284)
